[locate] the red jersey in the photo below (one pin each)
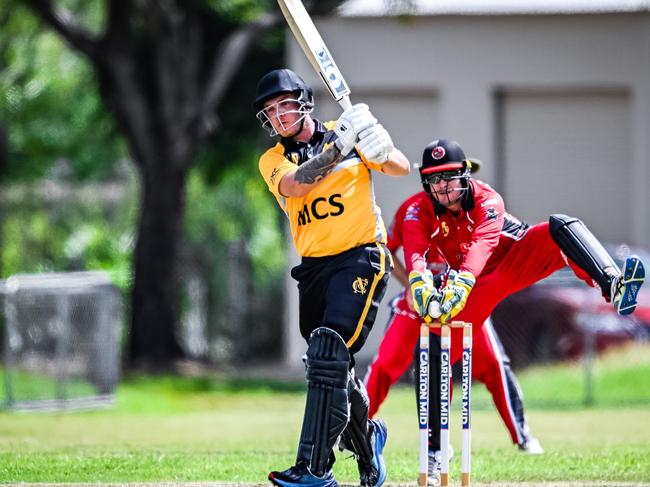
(395, 239)
(436, 262)
(474, 240)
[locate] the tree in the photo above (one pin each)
(50, 106)
(164, 69)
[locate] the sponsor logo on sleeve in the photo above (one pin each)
(412, 213)
(492, 214)
(274, 175)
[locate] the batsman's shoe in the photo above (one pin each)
(625, 287)
(531, 446)
(435, 464)
(374, 474)
(299, 475)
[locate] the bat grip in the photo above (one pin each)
(345, 102)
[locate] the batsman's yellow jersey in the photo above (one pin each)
(340, 213)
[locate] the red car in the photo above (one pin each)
(554, 319)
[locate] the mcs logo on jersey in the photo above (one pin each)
(320, 209)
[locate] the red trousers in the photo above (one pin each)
(489, 366)
(529, 260)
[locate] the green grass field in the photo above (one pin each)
(190, 430)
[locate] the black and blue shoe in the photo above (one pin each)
(625, 288)
(299, 475)
(377, 474)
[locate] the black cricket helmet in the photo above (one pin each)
(278, 82)
(281, 81)
(444, 156)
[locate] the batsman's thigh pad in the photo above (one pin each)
(326, 411)
(583, 248)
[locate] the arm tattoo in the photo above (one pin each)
(318, 166)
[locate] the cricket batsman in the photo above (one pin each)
(320, 175)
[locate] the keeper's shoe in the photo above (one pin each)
(374, 475)
(625, 287)
(435, 464)
(299, 475)
(531, 446)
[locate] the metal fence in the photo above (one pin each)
(62, 334)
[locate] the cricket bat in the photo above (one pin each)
(312, 44)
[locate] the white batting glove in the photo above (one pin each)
(350, 124)
(375, 144)
(360, 117)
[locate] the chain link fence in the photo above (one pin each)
(62, 334)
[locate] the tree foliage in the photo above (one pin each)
(49, 103)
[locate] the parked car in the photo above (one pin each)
(554, 319)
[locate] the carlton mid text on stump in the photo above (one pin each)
(445, 400)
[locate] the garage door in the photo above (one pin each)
(568, 152)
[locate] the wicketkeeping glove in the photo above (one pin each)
(455, 293)
(350, 124)
(375, 144)
(423, 292)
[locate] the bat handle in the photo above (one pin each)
(345, 102)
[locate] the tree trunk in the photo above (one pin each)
(153, 343)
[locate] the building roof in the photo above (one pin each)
(379, 8)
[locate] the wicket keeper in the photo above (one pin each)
(491, 253)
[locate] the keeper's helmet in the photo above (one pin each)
(444, 159)
(277, 82)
